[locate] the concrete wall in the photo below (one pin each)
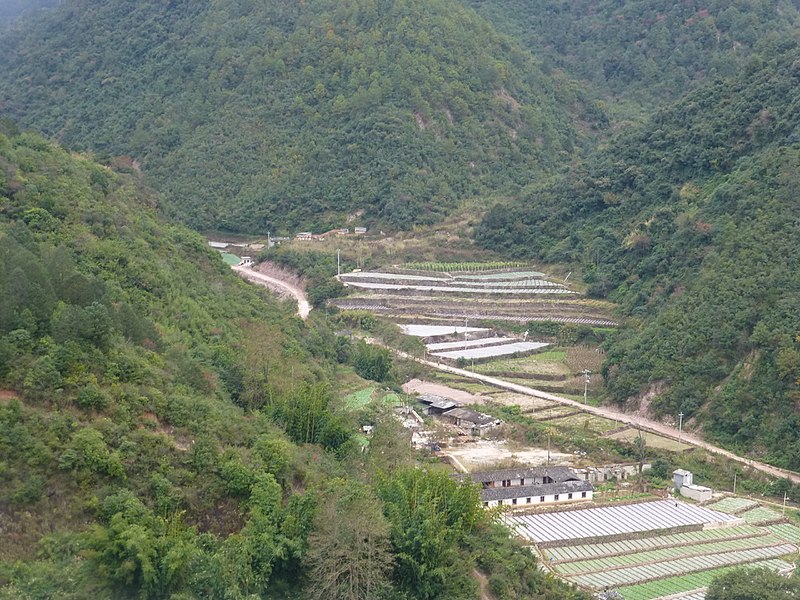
(534, 500)
(696, 492)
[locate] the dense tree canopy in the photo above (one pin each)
(640, 53)
(689, 223)
(259, 116)
(753, 584)
(167, 431)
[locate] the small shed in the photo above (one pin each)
(436, 405)
(696, 492)
(681, 477)
(476, 422)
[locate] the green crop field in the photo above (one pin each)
(652, 440)
(655, 566)
(587, 422)
(550, 362)
(461, 267)
(230, 259)
(790, 533)
(664, 554)
(360, 398)
(692, 581)
(392, 400)
(761, 515)
(552, 412)
(733, 505)
(679, 566)
(589, 551)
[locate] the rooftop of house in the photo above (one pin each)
(535, 490)
(435, 401)
(465, 414)
(557, 474)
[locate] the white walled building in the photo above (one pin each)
(532, 485)
(684, 484)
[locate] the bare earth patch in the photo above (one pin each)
(7, 395)
(428, 387)
(485, 453)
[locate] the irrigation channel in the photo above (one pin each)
(639, 422)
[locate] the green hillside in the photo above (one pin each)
(167, 431)
(255, 116)
(641, 53)
(11, 9)
(689, 222)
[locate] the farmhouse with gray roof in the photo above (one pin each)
(531, 485)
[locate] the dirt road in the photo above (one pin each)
(303, 307)
(645, 424)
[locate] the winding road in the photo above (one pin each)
(641, 422)
(303, 307)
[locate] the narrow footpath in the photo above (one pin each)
(303, 307)
(640, 422)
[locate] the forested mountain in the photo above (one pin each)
(11, 9)
(167, 431)
(642, 53)
(690, 223)
(257, 115)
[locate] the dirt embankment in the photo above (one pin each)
(279, 281)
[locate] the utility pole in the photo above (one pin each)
(338, 263)
(784, 503)
(680, 426)
(548, 447)
(734, 482)
(269, 240)
(587, 374)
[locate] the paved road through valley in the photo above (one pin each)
(643, 423)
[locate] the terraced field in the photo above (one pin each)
(626, 548)
(511, 283)
(761, 515)
(632, 546)
(505, 294)
(786, 532)
(566, 309)
(695, 581)
(733, 505)
(492, 351)
(620, 577)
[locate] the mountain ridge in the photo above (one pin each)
(260, 117)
